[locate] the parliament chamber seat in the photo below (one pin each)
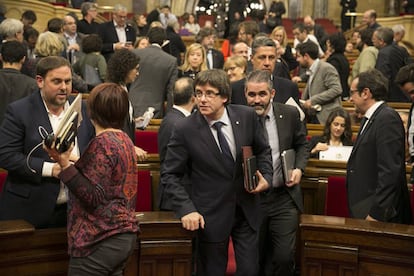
(3, 175)
(144, 191)
(147, 140)
(336, 197)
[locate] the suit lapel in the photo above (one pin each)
(235, 124)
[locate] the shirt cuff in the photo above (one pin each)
(47, 169)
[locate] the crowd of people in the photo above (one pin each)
(213, 102)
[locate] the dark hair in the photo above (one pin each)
(49, 63)
(385, 34)
(338, 42)
(120, 64)
(204, 32)
(262, 41)
(309, 48)
(108, 105)
(250, 27)
(346, 137)
(30, 15)
(91, 43)
(216, 78)
(30, 32)
(300, 26)
(405, 74)
(12, 51)
(156, 35)
(366, 36)
(183, 91)
(55, 25)
(376, 82)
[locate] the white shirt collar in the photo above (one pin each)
(182, 110)
(372, 109)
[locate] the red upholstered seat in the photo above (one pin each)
(336, 203)
(144, 193)
(147, 140)
(231, 262)
(3, 175)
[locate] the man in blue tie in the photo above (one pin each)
(208, 147)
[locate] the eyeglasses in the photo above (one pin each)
(208, 94)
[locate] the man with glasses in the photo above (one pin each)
(208, 147)
(117, 34)
(376, 181)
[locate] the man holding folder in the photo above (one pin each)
(283, 202)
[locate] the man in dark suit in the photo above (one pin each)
(13, 84)
(264, 57)
(391, 58)
(283, 203)
(376, 181)
(73, 39)
(208, 146)
(116, 33)
(183, 98)
(207, 37)
(32, 190)
(158, 73)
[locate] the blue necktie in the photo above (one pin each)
(224, 145)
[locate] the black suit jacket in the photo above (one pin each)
(109, 36)
(292, 135)
(215, 190)
(341, 64)
(284, 90)
(376, 179)
(218, 59)
(13, 86)
(164, 134)
(389, 61)
(27, 194)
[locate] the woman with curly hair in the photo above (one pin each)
(123, 68)
(337, 132)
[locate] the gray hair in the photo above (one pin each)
(10, 27)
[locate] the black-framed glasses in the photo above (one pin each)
(208, 94)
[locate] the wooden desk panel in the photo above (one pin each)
(164, 248)
(344, 246)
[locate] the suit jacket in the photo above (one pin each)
(164, 134)
(284, 90)
(13, 86)
(376, 180)
(218, 59)
(325, 90)
(154, 85)
(109, 36)
(27, 194)
(215, 190)
(389, 61)
(341, 64)
(292, 135)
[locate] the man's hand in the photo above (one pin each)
(262, 185)
(295, 178)
(370, 218)
(193, 221)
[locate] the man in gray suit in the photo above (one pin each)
(283, 202)
(157, 75)
(323, 87)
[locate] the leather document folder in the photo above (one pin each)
(288, 163)
(250, 168)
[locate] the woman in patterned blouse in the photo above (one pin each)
(102, 227)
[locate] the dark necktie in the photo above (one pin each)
(263, 123)
(362, 124)
(224, 145)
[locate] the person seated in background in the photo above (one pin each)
(236, 66)
(285, 50)
(337, 132)
(191, 24)
(194, 61)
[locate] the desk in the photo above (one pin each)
(345, 246)
(163, 248)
